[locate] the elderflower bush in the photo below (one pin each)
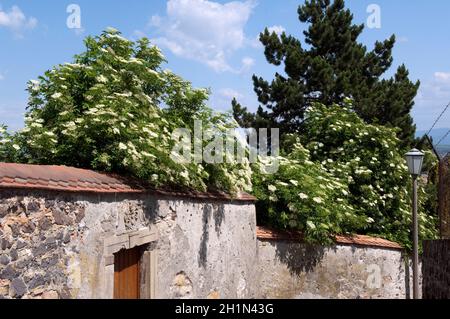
(341, 176)
(105, 112)
(8, 149)
(304, 196)
(369, 159)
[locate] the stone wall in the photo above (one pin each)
(61, 245)
(39, 240)
(294, 270)
(436, 269)
(55, 245)
(206, 250)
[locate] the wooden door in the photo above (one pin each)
(126, 274)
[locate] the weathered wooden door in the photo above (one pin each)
(126, 274)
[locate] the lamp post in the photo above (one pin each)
(414, 158)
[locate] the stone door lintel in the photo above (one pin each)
(128, 240)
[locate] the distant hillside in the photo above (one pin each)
(443, 149)
(437, 134)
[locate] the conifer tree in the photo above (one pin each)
(330, 66)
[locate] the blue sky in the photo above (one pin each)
(214, 43)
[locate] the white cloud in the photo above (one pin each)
(433, 95)
(137, 34)
(278, 29)
(247, 63)
(230, 93)
(221, 98)
(205, 31)
(16, 21)
(442, 76)
(1, 77)
(436, 89)
(155, 21)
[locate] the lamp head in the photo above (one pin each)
(414, 159)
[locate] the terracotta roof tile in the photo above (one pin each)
(359, 240)
(367, 241)
(70, 179)
(272, 234)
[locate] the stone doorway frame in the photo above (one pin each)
(142, 238)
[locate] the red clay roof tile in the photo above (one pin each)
(70, 179)
(359, 240)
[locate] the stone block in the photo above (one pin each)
(9, 273)
(116, 243)
(5, 244)
(18, 288)
(143, 237)
(50, 295)
(4, 260)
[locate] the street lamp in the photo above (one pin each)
(414, 158)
